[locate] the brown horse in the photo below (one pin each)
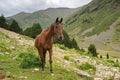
(43, 41)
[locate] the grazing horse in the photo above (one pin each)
(44, 41)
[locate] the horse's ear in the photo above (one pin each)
(61, 20)
(56, 19)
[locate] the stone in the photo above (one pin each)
(36, 69)
(98, 79)
(13, 48)
(84, 74)
(7, 53)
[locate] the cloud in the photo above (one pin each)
(11, 7)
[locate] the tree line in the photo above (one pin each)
(34, 30)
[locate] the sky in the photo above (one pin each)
(12, 7)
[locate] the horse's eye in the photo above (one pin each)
(56, 26)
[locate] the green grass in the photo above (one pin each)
(10, 63)
(116, 35)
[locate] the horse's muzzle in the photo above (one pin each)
(60, 38)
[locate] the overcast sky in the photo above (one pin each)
(11, 7)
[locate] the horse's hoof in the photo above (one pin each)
(52, 74)
(43, 71)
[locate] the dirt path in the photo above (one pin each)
(17, 37)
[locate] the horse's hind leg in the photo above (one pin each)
(44, 55)
(40, 50)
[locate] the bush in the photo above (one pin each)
(87, 66)
(29, 60)
(116, 64)
(92, 50)
(107, 56)
(66, 57)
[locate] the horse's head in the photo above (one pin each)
(58, 28)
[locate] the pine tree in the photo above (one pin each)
(3, 23)
(107, 56)
(92, 50)
(15, 27)
(74, 44)
(33, 31)
(67, 41)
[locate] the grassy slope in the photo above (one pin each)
(10, 65)
(63, 69)
(44, 17)
(99, 13)
(116, 35)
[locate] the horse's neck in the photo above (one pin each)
(49, 34)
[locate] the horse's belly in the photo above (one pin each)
(47, 46)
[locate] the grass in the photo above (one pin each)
(10, 63)
(116, 35)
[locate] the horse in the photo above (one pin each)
(44, 41)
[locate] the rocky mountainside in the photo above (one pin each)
(96, 23)
(44, 17)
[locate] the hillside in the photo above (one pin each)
(95, 23)
(68, 64)
(44, 17)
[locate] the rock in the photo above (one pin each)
(117, 76)
(36, 69)
(98, 79)
(84, 74)
(2, 76)
(9, 74)
(23, 77)
(13, 48)
(7, 53)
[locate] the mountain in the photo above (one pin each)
(44, 17)
(96, 23)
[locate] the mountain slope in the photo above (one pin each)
(92, 20)
(44, 17)
(68, 64)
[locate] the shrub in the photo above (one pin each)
(100, 56)
(87, 66)
(29, 60)
(92, 50)
(66, 57)
(107, 56)
(116, 64)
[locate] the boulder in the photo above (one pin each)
(83, 74)
(2, 76)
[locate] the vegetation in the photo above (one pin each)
(3, 23)
(13, 26)
(66, 57)
(86, 66)
(67, 41)
(33, 31)
(29, 60)
(17, 63)
(92, 50)
(107, 56)
(94, 19)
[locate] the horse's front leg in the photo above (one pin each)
(50, 61)
(42, 58)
